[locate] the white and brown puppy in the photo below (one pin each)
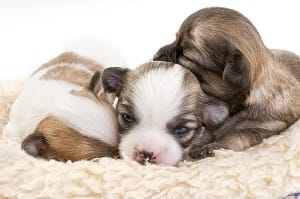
(162, 111)
(261, 86)
(62, 113)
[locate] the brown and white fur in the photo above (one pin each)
(161, 111)
(62, 112)
(261, 86)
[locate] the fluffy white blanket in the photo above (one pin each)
(269, 170)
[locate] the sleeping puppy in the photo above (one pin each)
(261, 86)
(62, 113)
(162, 111)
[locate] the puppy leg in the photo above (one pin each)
(237, 141)
(238, 134)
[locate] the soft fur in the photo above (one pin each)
(261, 86)
(268, 170)
(62, 113)
(162, 111)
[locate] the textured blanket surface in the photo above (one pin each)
(269, 170)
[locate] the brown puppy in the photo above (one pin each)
(261, 86)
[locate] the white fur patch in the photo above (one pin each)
(162, 144)
(157, 97)
(42, 98)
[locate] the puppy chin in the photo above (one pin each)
(166, 149)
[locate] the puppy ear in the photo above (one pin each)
(95, 85)
(113, 79)
(214, 113)
(35, 144)
(236, 72)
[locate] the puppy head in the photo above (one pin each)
(159, 111)
(219, 44)
(56, 137)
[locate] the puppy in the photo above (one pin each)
(62, 113)
(227, 55)
(162, 111)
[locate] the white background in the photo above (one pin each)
(120, 32)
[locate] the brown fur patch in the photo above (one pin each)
(66, 143)
(65, 72)
(72, 58)
(68, 74)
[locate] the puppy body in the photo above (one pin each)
(261, 86)
(160, 111)
(62, 113)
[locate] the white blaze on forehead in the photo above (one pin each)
(158, 95)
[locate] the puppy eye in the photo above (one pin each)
(128, 118)
(181, 131)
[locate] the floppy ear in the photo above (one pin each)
(95, 85)
(113, 79)
(214, 113)
(237, 72)
(35, 144)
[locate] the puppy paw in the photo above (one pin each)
(205, 151)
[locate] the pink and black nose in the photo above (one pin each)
(145, 156)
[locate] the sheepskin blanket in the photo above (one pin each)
(269, 170)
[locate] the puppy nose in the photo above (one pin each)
(145, 156)
(163, 54)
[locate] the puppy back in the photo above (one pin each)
(68, 67)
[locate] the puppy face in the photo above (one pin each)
(159, 111)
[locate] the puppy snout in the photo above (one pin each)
(166, 53)
(145, 156)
